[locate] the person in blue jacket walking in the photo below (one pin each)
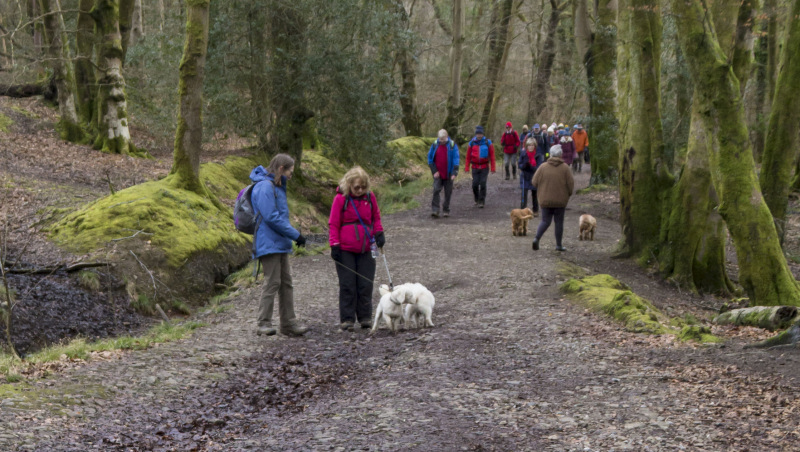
(272, 243)
(443, 161)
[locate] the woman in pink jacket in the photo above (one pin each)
(355, 235)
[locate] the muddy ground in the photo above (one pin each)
(510, 364)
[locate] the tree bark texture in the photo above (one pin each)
(408, 75)
(498, 36)
(125, 25)
(759, 134)
(85, 78)
(781, 144)
(189, 133)
(287, 30)
(763, 272)
(600, 62)
(692, 250)
(768, 317)
(455, 103)
(113, 134)
(61, 63)
(537, 101)
(771, 9)
(257, 78)
(644, 176)
(137, 22)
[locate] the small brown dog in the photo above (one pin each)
(587, 227)
(519, 221)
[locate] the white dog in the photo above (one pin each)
(390, 309)
(419, 302)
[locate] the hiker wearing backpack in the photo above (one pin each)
(542, 146)
(480, 154)
(443, 161)
(355, 234)
(272, 243)
(510, 142)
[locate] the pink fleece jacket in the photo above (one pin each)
(345, 229)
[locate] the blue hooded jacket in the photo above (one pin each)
(452, 158)
(274, 234)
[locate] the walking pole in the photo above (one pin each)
(385, 264)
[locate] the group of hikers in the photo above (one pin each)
(543, 158)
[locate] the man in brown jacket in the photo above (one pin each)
(554, 184)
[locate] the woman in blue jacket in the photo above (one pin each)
(272, 243)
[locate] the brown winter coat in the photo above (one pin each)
(554, 183)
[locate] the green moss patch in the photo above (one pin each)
(607, 295)
(179, 222)
(5, 123)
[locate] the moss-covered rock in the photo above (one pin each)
(605, 294)
(697, 333)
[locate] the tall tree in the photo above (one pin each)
(598, 52)
(644, 174)
(113, 134)
(455, 101)
(287, 45)
(763, 272)
(408, 74)
(498, 46)
(185, 171)
(537, 101)
(784, 121)
(85, 79)
(59, 58)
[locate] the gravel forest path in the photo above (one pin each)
(510, 365)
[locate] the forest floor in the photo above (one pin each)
(510, 364)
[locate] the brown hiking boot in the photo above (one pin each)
(347, 326)
(294, 330)
(266, 330)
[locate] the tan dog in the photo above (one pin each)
(587, 227)
(519, 221)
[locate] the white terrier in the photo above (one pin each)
(389, 309)
(419, 302)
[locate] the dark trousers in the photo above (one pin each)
(534, 200)
(355, 292)
(479, 178)
(438, 185)
(548, 215)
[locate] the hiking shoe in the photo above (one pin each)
(366, 325)
(435, 214)
(446, 214)
(560, 248)
(477, 204)
(266, 330)
(346, 326)
(507, 178)
(535, 244)
(294, 330)
(535, 213)
(481, 204)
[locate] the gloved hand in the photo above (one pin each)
(301, 241)
(380, 239)
(336, 253)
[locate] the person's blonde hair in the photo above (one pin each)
(351, 176)
(530, 141)
(281, 160)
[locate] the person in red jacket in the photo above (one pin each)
(355, 233)
(510, 142)
(480, 154)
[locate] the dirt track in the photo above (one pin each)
(509, 366)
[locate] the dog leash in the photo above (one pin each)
(385, 264)
(353, 271)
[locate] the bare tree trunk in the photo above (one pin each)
(537, 102)
(644, 175)
(58, 54)
(771, 9)
(257, 78)
(113, 134)
(125, 25)
(763, 272)
(185, 171)
(408, 89)
(784, 120)
(85, 78)
(498, 37)
(137, 24)
(761, 94)
(455, 103)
